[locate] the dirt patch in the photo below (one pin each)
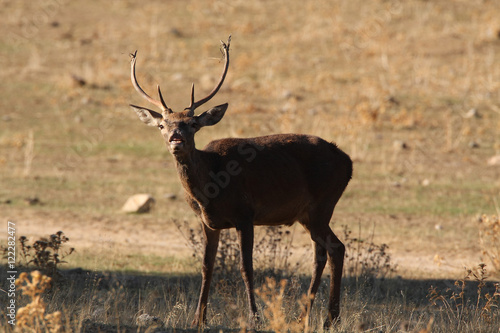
(145, 235)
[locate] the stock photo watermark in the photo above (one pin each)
(32, 22)
(11, 273)
(222, 179)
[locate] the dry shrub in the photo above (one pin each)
(32, 317)
(45, 254)
(273, 296)
(228, 252)
(272, 252)
(364, 259)
(458, 307)
(489, 236)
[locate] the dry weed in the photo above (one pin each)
(458, 308)
(45, 253)
(32, 317)
(273, 296)
(489, 237)
(272, 252)
(364, 258)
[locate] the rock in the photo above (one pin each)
(78, 81)
(399, 145)
(472, 113)
(139, 203)
(32, 201)
(98, 313)
(176, 32)
(494, 160)
(287, 94)
(393, 100)
(473, 144)
(312, 112)
(170, 196)
(177, 77)
(147, 320)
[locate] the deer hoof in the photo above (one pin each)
(329, 323)
(253, 321)
(197, 322)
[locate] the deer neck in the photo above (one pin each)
(193, 170)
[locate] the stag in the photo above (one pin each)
(241, 183)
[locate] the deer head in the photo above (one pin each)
(178, 128)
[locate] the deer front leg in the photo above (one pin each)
(211, 242)
(245, 235)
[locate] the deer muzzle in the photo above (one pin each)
(176, 141)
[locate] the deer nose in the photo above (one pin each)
(176, 138)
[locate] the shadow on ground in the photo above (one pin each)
(114, 301)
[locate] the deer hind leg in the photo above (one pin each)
(320, 258)
(327, 247)
(245, 235)
(336, 252)
(211, 242)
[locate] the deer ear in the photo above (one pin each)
(212, 116)
(147, 116)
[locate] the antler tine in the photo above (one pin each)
(202, 101)
(190, 107)
(141, 92)
(165, 108)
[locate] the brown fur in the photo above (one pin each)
(268, 180)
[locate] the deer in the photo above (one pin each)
(240, 183)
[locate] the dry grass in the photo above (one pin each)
(410, 89)
(277, 312)
(461, 312)
(489, 236)
(85, 301)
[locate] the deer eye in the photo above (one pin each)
(161, 126)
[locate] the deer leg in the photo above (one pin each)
(245, 235)
(211, 242)
(319, 263)
(327, 247)
(336, 252)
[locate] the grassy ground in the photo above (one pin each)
(393, 83)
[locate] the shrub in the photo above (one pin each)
(272, 252)
(489, 237)
(459, 309)
(364, 259)
(45, 254)
(273, 296)
(32, 317)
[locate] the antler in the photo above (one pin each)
(202, 101)
(161, 103)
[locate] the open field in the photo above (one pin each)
(410, 89)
